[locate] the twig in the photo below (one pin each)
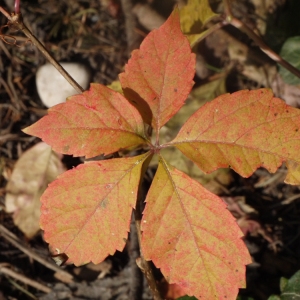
(141, 262)
(290, 199)
(10, 237)
(9, 136)
(16, 19)
(227, 10)
(136, 285)
(17, 6)
(9, 92)
(13, 90)
(5, 13)
(21, 288)
(230, 19)
(209, 31)
(24, 279)
(2, 46)
(133, 39)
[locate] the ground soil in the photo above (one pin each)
(267, 209)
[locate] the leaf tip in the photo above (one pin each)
(27, 130)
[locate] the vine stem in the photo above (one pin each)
(17, 20)
(143, 264)
(17, 7)
(230, 19)
(209, 31)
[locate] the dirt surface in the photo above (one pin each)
(100, 34)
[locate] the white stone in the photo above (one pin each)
(53, 88)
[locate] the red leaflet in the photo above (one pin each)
(159, 76)
(86, 212)
(244, 131)
(190, 235)
(97, 121)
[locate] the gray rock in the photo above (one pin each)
(53, 88)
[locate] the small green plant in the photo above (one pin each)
(290, 288)
(185, 230)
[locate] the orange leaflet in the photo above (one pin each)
(190, 235)
(159, 76)
(98, 121)
(244, 131)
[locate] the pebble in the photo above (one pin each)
(53, 88)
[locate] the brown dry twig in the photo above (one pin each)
(11, 238)
(230, 19)
(9, 272)
(133, 38)
(143, 264)
(16, 20)
(9, 39)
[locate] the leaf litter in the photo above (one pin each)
(34, 170)
(266, 200)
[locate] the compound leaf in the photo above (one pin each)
(86, 212)
(244, 131)
(97, 121)
(159, 76)
(190, 235)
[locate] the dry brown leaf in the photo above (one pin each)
(34, 170)
(289, 93)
